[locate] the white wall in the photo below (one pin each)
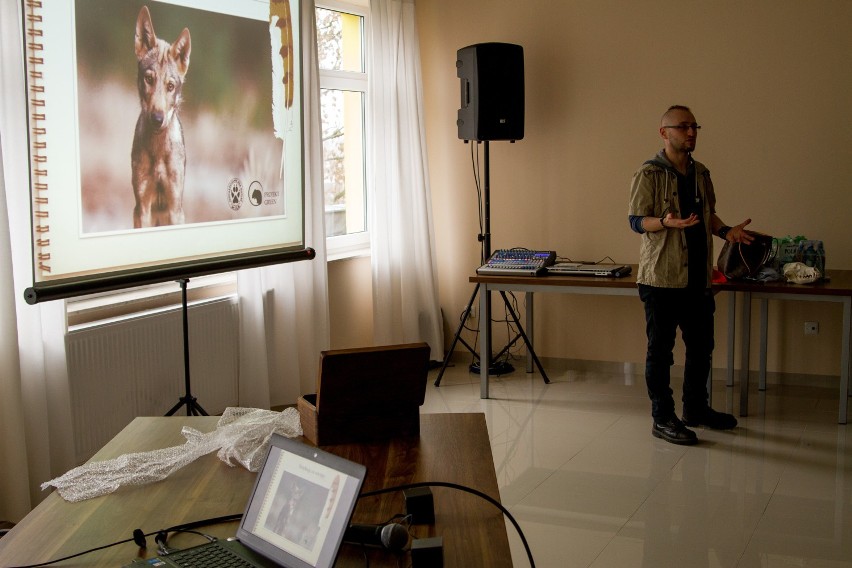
(770, 82)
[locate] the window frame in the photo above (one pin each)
(354, 244)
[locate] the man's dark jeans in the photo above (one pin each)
(666, 309)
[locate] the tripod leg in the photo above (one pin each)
(524, 336)
(192, 406)
(469, 347)
(458, 336)
(175, 408)
(197, 410)
(507, 347)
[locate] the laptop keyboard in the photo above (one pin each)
(209, 557)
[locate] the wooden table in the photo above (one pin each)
(452, 447)
(625, 286)
(838, 288)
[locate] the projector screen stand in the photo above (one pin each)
(192, 406)
(495, 366)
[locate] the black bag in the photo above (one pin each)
(741, 260)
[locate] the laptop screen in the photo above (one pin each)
(301, 505)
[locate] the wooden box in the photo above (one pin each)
(366, 394)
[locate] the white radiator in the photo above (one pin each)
(135, 367)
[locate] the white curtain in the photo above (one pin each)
(35, 442)
(284, 320)
(14, 490)
(284, 309)
(405, 289)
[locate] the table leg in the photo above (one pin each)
(732, 334)
(530, 329)
(764, 320)
(485, 339)
(844, 359)
(744, 360)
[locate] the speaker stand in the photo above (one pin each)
(192, 406)
(494, 367)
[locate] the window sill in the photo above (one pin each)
(347, 253)
(341, 247)
(135, 301)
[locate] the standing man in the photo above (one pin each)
(673, 207)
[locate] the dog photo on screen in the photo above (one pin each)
(163, 142)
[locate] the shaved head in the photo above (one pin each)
(672, 111)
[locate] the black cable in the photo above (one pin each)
(186, 527)
(459, 487)
(511, 330)
(203, 523)
(49, 562)
(210, 538)
(569, 259)
(162, 540)
(477, 179)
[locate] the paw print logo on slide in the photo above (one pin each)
(235, 194)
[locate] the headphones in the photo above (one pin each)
(162, 536)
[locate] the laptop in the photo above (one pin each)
(581, 269)
(296, 516)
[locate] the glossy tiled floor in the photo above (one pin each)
(589, 485)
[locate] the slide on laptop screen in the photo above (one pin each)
(301, 505)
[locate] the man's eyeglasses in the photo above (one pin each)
(685, 127)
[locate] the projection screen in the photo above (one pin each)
(165, 140)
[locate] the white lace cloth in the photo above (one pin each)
(241, 435)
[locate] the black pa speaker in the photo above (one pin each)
(492, 91)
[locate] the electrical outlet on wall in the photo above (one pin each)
(811, 327)
(471, 315)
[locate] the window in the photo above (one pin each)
(343, 88)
